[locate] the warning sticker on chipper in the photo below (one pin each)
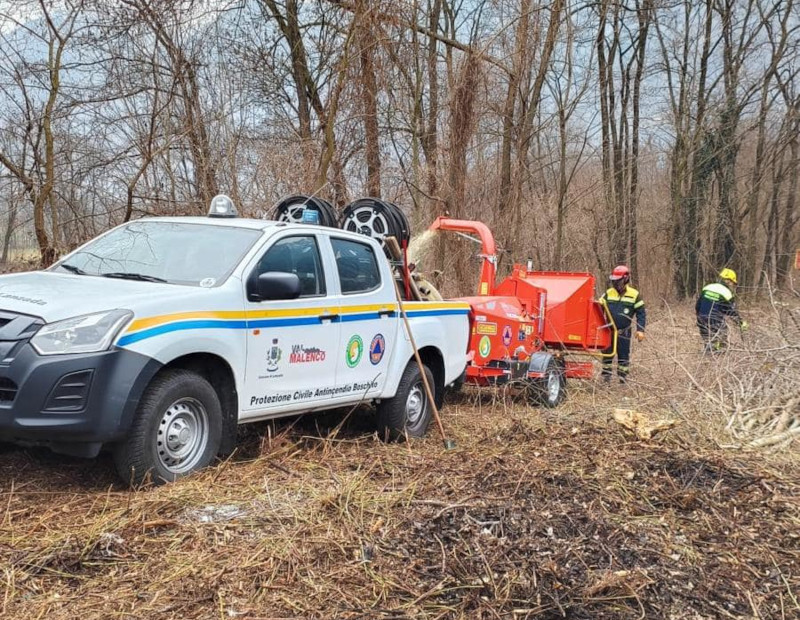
(487, 329)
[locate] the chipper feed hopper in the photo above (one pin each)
(531, 326)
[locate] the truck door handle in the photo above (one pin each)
(385, 312)
(328, 317)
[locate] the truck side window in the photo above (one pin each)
(300, 256)
(357, 266)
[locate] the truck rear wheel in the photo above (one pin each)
(408, 413)
(176, 430)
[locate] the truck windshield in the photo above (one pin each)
(173, 252)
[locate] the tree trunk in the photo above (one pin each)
(430, 143)
(749, 260)
(769, 263)
(12, 220)
(369, 97)
(520, 64)
(790, 218)
(645, 15)
(605, 72)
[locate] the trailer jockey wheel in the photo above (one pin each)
(291, 209)
(377, 219)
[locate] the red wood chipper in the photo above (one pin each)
(529, 327)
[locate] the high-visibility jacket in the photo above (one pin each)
(716, 302)
(625, 306)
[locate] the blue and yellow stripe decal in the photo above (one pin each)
(142, 329)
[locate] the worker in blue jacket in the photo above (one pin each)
(624, 303)
(717, 302)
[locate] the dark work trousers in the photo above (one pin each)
(714, 332)
(623, 356)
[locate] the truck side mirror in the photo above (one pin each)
(274, 285)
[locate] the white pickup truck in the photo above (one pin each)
(157, 338)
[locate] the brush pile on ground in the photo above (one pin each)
(545, 514)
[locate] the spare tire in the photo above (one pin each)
(291, 208)
(376, 218)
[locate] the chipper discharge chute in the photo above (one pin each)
(531, 326)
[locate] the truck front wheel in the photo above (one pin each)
(408, 413)
(177, 429)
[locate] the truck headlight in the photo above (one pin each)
(83, 334)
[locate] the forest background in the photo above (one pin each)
(659, 133)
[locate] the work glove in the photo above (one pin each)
(744, 326)
(639, 336)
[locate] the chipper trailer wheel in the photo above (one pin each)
(546, 383)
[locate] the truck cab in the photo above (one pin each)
(157, 338)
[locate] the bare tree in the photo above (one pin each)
(34, 163)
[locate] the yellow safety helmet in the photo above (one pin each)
(728, 274)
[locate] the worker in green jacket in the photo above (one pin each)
(717, 302)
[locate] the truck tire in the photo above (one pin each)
(550, 390)
(176, 430)
(408, 413)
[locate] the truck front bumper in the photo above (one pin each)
(71, 403)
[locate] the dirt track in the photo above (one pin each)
(545, 514)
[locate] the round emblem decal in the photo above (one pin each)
(355, 348)
(376, 349)
(485, 346)
(506, 335)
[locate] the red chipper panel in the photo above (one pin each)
(502, 330)
(573, 319)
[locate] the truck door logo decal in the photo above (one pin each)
(355, 349)
(302, 355)
(274, 354)
(485, 346)
(376, 349)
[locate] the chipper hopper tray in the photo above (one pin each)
(573, 319)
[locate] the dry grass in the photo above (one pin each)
(543, 514)
(21, 260)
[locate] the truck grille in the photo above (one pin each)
(8, 390)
